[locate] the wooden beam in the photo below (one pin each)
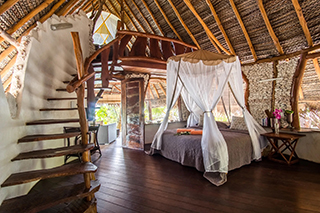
(274, 83)
(84, 5)
(129, 18)
(296, 83)
(302, 21)
(117, 88)
(8, 67)
(205, 27)
(313, 55)
(167, 20)
(270, 29)
(66, 8)
(150, 90)
(235, 10)
(301, 96)
(7, 82)
(7, 5)
(133, 15)
(316, 67)
(79, 4)
(161, 87)
(215, 15)
(6, 52)
(29, 16)
(183, 24)
(9, 39)
(142, 16)
(282, 57)
(154, 19)
(154, 87)
(162, 38)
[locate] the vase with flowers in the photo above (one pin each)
(277, 115)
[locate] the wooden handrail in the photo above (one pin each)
(75, 83)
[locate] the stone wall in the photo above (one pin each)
(260, 97)
(260, 92)
(286, 70)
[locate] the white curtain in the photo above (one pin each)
(173, 92)
(192, 107)
(205, 85)
(258, 142)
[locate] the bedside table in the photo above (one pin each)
(289, 142)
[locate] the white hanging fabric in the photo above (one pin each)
(173, 92)
(202, 76)
(254, 129)
(192, 107)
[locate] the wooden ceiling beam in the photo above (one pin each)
(161, 87)
(150, 92)
(8, 67)
(167, 20)
(154, 19)
(7, 5)
(206, 28)
(84, 5)
(184, 24)
(66, 8)
(79, 4)
(29, 16)
(302, 21)
(130, 11)
(134, 3)
(154, 86)
(130, 20)
(269, 27)
(215, 15)
(6, 52)
(88, 6)
(7, 82)
(235, 10)
(316, 67)
(290, 55)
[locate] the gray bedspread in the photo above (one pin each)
(186, 149)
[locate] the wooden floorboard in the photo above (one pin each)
(132, 181)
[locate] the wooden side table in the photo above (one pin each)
(289, 141)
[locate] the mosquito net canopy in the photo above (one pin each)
(200, 77)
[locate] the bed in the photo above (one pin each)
(186, 149)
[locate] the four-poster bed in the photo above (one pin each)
(200, 77)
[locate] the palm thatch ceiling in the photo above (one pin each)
(254, 30)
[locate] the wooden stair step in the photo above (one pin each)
(65, 170)
(38, 201)
(53, 121)
(62, 99)
(57, 109)
(30, 138)
(49, 153)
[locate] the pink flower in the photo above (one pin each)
(277, 114)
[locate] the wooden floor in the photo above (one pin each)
(135, 182)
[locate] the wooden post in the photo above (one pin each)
(247, 91)
(296, 82)
(150, 110)
(80, 102)
(104, 68)
(274, 83)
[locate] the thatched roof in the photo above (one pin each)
(251, 29)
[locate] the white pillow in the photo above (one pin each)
(238, 123)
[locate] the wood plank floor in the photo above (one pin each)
(135, 182)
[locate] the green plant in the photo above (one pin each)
(108, 113)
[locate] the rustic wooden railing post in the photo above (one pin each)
(80, 102)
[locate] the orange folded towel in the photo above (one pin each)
(196, 132)
(184, 130)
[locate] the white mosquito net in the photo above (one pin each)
(200, 77)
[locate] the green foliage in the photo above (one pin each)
(108, 113)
